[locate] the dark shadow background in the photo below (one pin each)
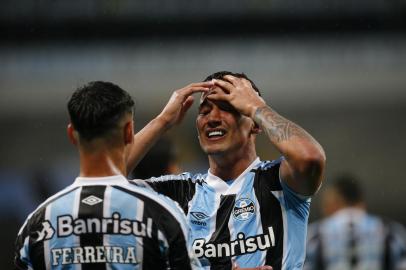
(337, 67)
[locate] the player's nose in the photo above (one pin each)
(214, 123)
(214, 117)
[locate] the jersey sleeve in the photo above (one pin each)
(176, 233)
(179, 188)
(22, 259)
(297, 205)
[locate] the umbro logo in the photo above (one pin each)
(198, 218)
(199, 215)
(91, 200)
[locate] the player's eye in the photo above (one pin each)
(204, 111)
(225, 106)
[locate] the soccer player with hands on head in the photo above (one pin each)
(243, 212)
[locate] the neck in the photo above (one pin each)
(230, 166)
(103, 162)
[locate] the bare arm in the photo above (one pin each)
(304, 161)
(144, 140)
(173, 113)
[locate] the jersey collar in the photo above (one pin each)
(221, 187)
(104, 181)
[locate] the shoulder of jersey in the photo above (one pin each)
(267, 164)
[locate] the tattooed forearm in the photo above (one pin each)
(277, 127)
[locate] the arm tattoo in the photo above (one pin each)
(277, 127)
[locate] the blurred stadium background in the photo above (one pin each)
(336, 67)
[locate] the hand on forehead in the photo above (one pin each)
(222, 104)
(214, 89)
(229, 79)
(232, 92)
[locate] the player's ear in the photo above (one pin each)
(128, 132)
(70, 130)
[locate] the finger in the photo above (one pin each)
(226, 86)
(218, 96)
(238, 81)
(231, 79)
(187, 104)
(201, 84)
(190, 90)
(246, 82)
(185, 107)
(208, 84)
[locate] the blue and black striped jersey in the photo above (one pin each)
(104, 223)
(256, 220)
(354, 239)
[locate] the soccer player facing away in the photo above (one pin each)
(349, 237)
(243, 210)
(102, 221)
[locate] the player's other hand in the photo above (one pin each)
(180, 101)
(239, 93)
(265, 267)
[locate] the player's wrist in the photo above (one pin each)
(163, 122)
(253, 110)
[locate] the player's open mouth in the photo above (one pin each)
(215, 133)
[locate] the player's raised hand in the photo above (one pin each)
(239, 93)
(180, 101)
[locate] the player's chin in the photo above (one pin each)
(212, 149)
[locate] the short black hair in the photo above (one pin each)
(96, 108)
(348, 187)
(220, 74)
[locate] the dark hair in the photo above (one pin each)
(156, 162)
(97, 107)
(220, 74)
(348, 187)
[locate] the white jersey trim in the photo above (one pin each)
(104, 181)
(222, 188)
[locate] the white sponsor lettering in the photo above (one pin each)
(64, 226)
(67, 225)
(239, 246)
(77, 255)
(198, 247)
(90, 254)
(56, 254)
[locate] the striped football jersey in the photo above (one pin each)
(105, 223)
(355, 239)
(254, 220)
